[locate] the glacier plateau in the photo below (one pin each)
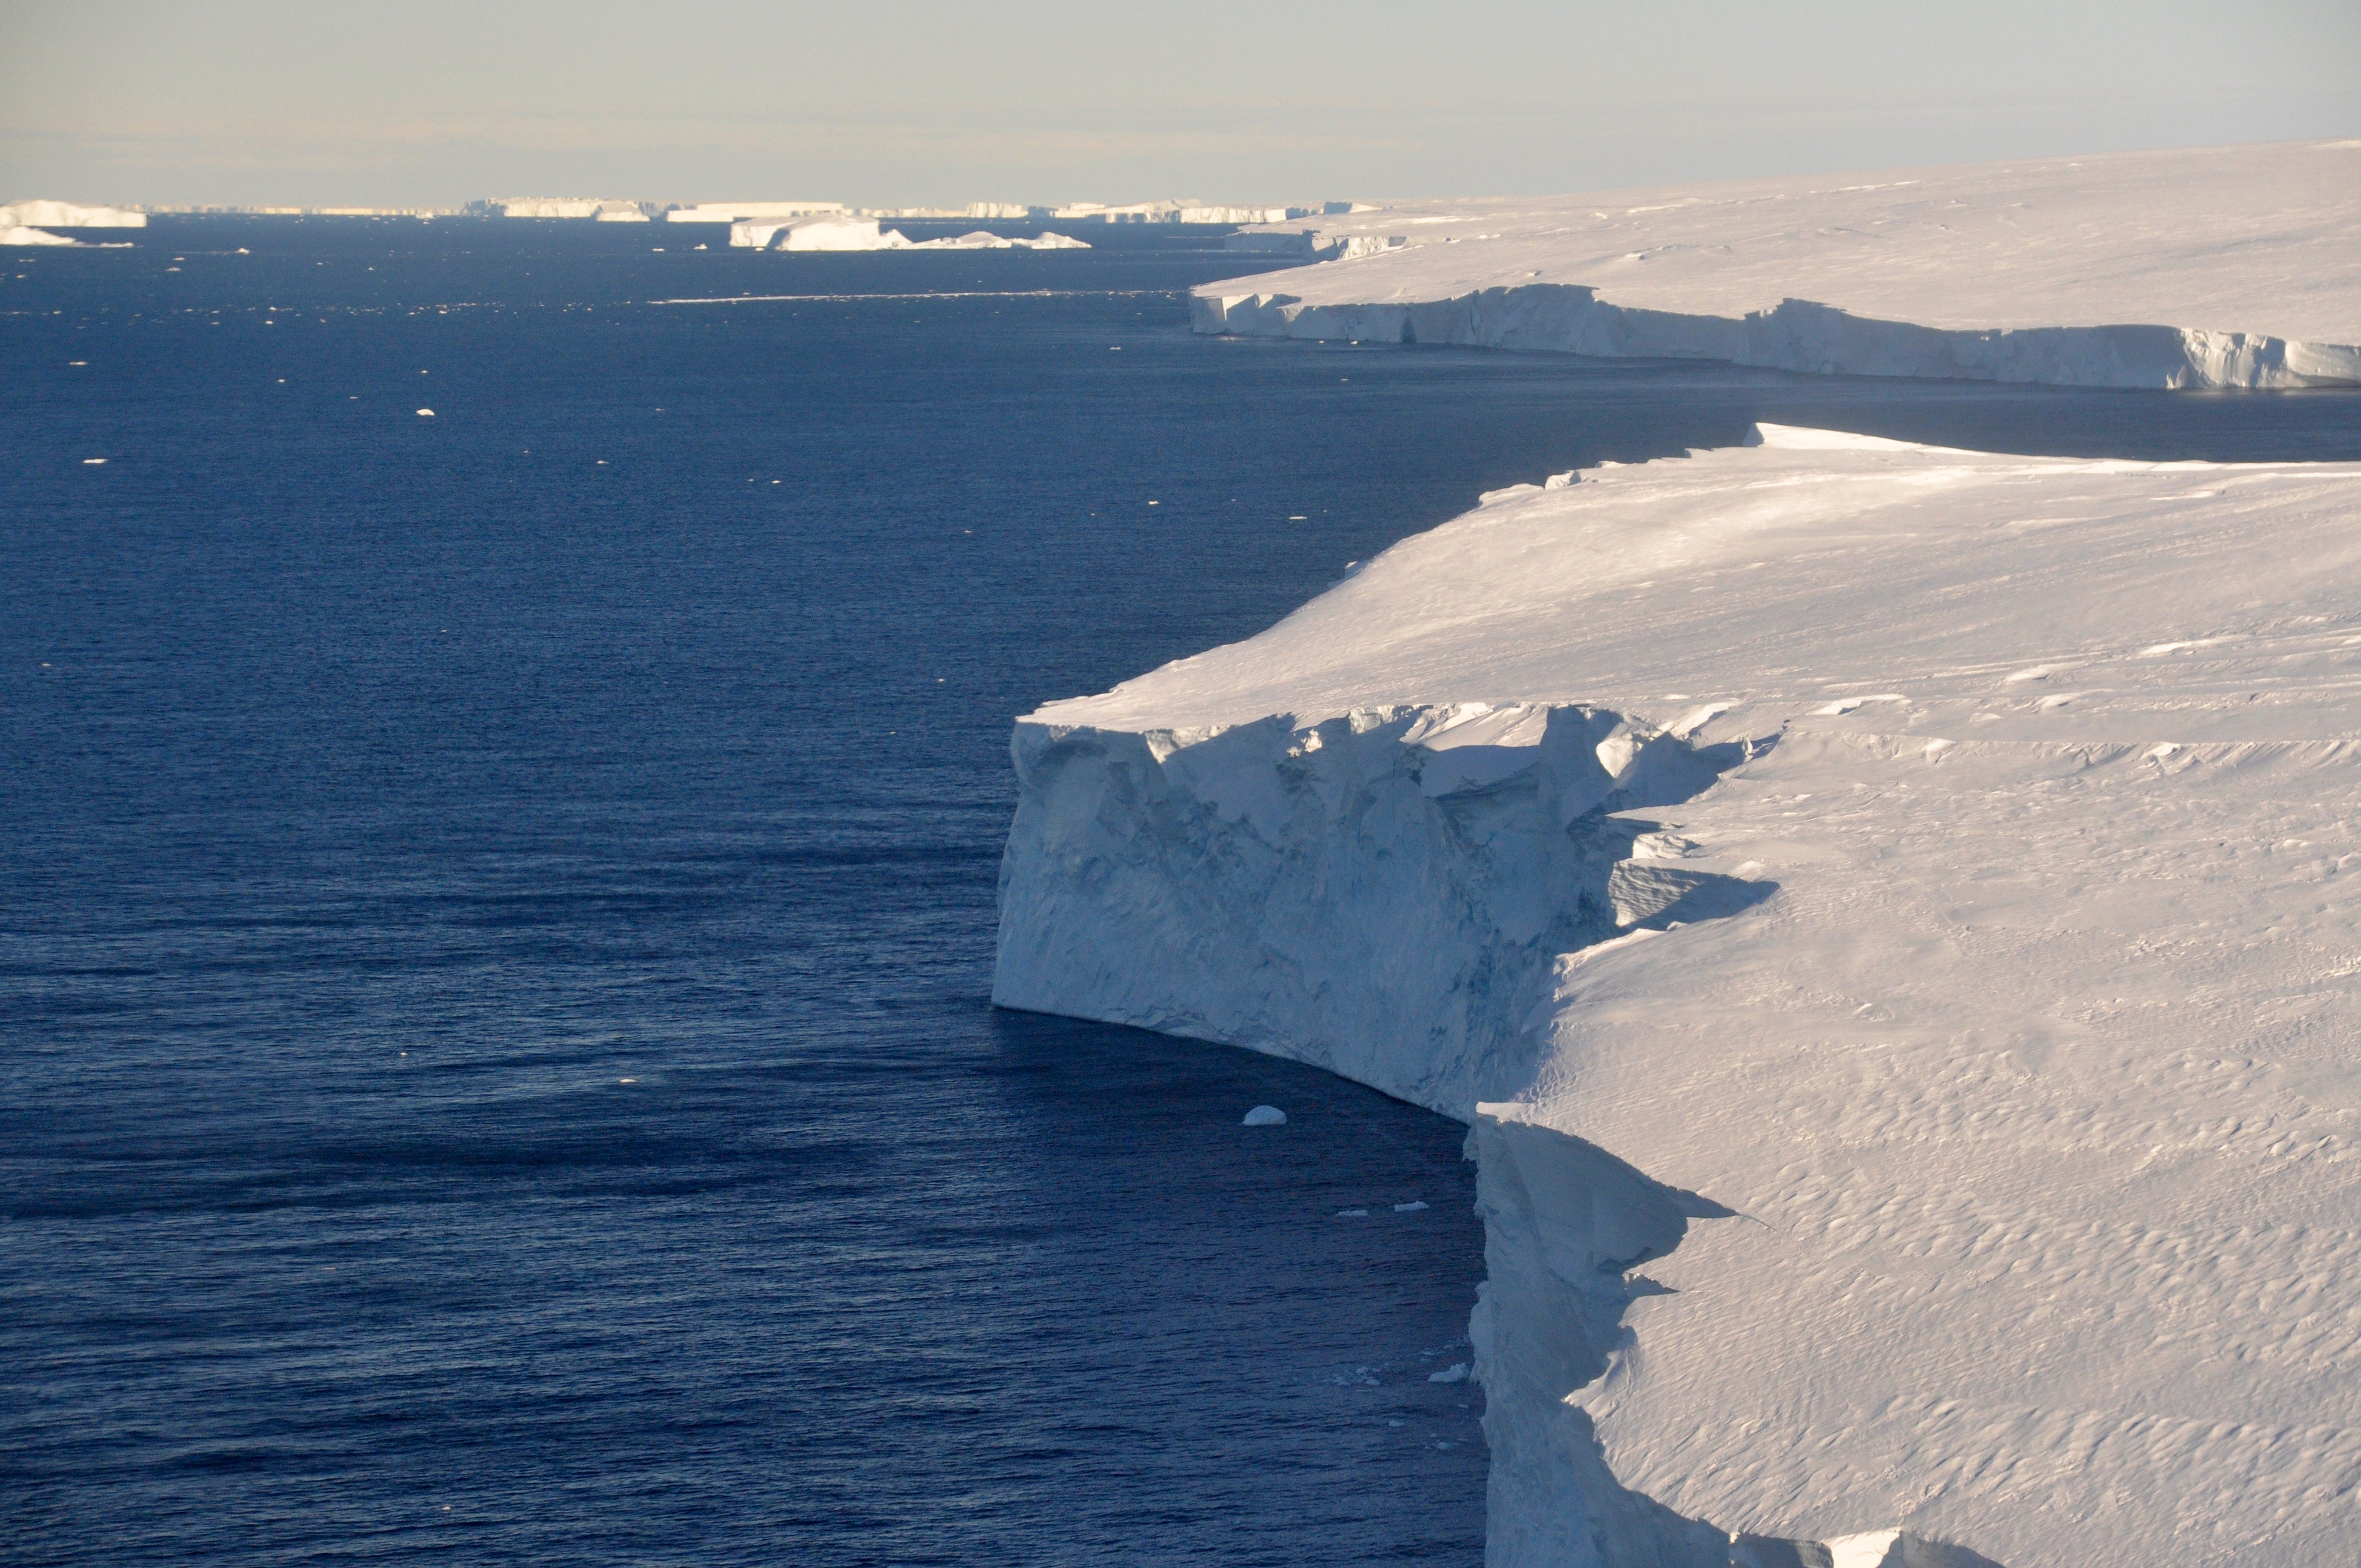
(2224, 267)
(1887, 917)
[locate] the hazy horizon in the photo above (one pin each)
(931, 105)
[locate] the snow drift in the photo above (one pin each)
(2236, 266)
(1886, 914)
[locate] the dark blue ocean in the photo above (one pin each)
(496, 909)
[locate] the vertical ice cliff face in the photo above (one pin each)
(1567, 1228)
(1382, 894)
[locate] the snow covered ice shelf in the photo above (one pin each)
(2218, 267)
(1891, 918)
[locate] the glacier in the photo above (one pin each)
(2224, 267)
(1887, 916)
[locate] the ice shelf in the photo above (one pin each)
(1888, 918)
(2229, 266)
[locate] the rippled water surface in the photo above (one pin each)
(499, 906)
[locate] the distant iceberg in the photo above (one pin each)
(815, 234)
(66, 215)
(598, 209)
(981, 240)
(865, 234)
(19, 234)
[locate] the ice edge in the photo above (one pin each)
(1798, 336)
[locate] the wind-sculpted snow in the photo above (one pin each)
(1888, 915)
(2235, 267)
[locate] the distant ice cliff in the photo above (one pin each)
(2236, 266)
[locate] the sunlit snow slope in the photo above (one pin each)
(2219, 267)
(1893, 918)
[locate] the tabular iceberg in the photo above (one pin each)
(2236, 266)
(29, 223)
(865, 234)
(1887, 915)
(67, 216)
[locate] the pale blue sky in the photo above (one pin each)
(905, 102)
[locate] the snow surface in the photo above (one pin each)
(1889, 916)
(2218, 267)
(67, 216)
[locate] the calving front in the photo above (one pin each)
(1887, 914)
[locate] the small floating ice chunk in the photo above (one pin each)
(92, 462)
(1454, 1373)
(1265, 1116)
(426, 414)
(1352, 1214)
(1412, 1207)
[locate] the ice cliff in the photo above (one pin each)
(1886, 914)
(2237, 266)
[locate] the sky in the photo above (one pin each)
(896, 103)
